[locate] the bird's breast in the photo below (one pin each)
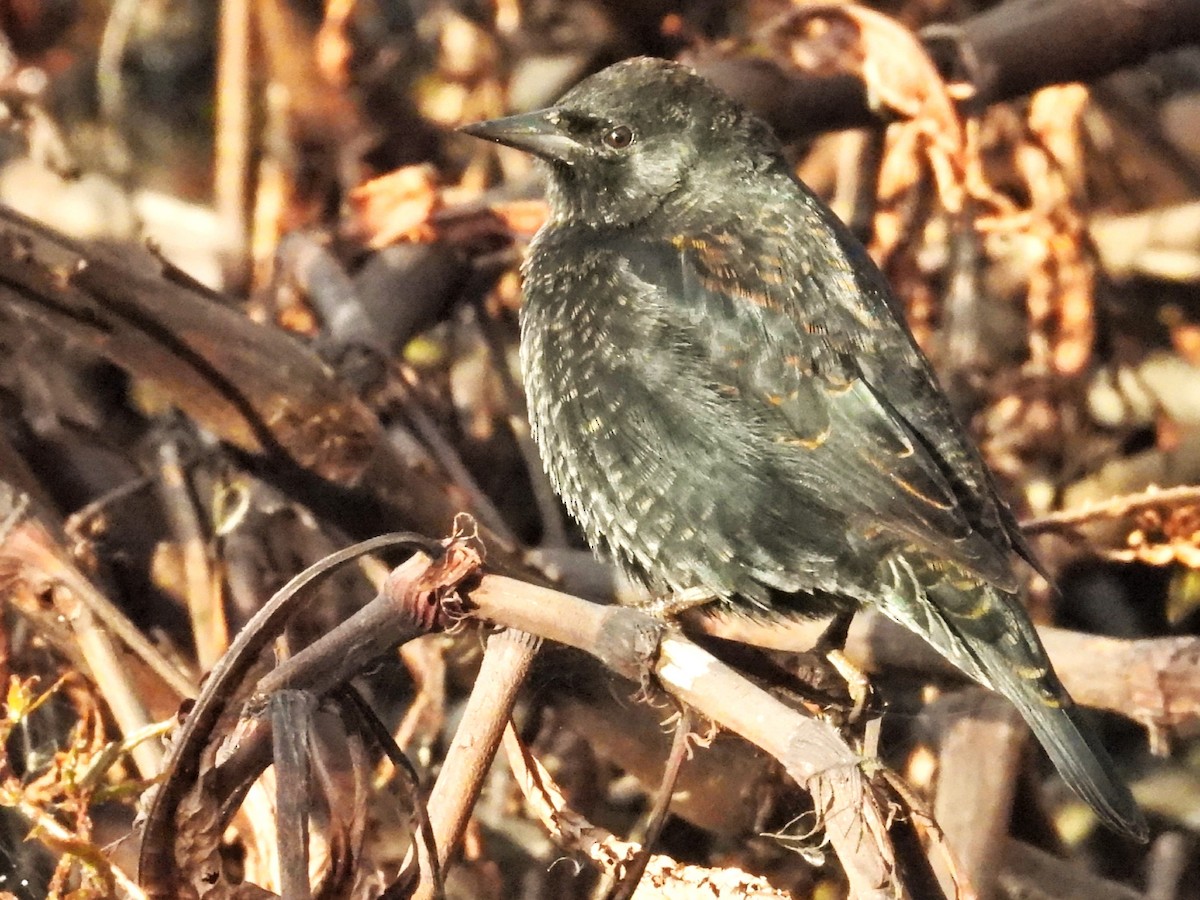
(584, 355)
(658, 466)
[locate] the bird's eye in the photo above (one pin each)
(618, 137)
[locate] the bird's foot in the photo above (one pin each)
(857, 683)
(675, 605)
(831, 645)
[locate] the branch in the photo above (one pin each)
(810, 750)
(1119, 507)
(254, 386)
(1010, 50)
(1154, 681)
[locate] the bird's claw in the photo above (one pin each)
(856, 679)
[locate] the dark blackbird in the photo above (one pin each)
(728, 400)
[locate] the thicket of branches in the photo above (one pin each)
(259, 301)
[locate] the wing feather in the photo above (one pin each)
(800, 340)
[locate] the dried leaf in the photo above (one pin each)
(397, 206)
(1164, 538)
(899, 77)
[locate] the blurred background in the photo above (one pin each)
(259, 299)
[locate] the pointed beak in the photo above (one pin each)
(539, 133)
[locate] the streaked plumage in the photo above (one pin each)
(728, 401)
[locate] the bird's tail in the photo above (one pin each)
(988, 634)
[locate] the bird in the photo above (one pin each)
(728, 401)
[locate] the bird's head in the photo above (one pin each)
(621, 142)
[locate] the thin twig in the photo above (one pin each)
(445, 453)
(1113, 508)
(110, 84)
(200, 585)
(291, 715)
(231, 189)
(507, 660)
(76, 598)
(662, 805)
(39, 549)
(50, 825)
(427, 856)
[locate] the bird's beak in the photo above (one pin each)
(540, 133)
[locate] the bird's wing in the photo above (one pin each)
(794, 330)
